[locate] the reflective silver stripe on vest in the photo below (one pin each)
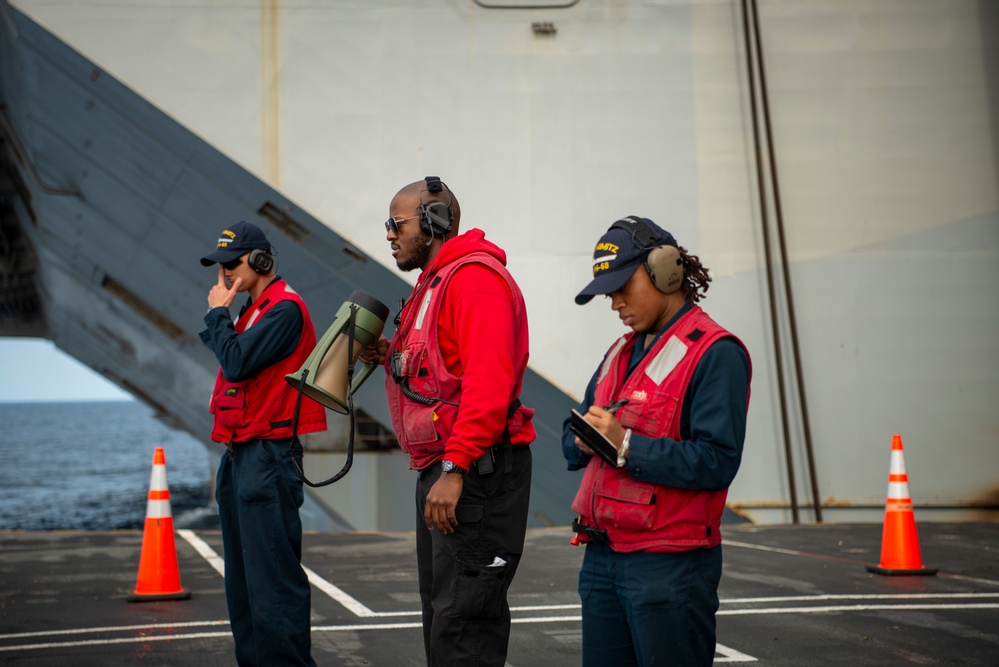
(253, 318)
(667, 359)
(611, 357)
(423, 309)
(256, 313)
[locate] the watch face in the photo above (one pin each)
(447, 466)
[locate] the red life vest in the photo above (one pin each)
(262, 407)
(423, 428)
(637, 515)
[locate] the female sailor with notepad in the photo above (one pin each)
(650, 511)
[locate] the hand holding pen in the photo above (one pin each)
(616, 405)
(604, 420)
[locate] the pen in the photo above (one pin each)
(616, 405)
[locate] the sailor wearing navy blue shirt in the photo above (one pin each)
(671, 395)
(258, 487)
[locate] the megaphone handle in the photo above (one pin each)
(294, 427)
(298, 406)
(350, 343)
(350, 404)
(362, 375)
(350, 410)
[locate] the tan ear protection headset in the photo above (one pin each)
(435, 216)
(663, 262)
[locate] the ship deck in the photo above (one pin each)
(791, 595)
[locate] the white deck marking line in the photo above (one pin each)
(216, 561)
(339, 595)
(872, 596)
(977, 580)
(115, 628)
(776, 550)
(546, 607)
(350, 603)
(731, 655)
(789, 552)
(360, 610)
(204, 550)
(548, 619)
(122, 640)
(853, 607)
(550, 607)
(366, 626)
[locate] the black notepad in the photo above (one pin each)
(593, 438)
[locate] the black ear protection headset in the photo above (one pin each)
(436, 216)
(663, 262)
(260, 261)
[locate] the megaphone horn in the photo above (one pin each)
(324, 375)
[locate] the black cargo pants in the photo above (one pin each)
(464, 576)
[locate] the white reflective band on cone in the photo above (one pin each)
(158, 478)
(898, 490)
(897, 464)
(158, 509)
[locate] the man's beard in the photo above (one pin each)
(420, 256)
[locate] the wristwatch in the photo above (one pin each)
(622, 452)
(450, 466)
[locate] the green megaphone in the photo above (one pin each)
(324, 375)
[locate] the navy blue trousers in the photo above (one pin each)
(267, 591)
(645, 608)
(466, 618)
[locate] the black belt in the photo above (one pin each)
(594, 535)
(485, 464)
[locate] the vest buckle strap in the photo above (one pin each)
(485, 463)
(594, 535)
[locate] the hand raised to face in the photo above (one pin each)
(221, 294)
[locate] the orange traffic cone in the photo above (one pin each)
(159, 576)
(899, 542)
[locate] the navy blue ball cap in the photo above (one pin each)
(620, 251)
(236, 241)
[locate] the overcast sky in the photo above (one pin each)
(33, 370)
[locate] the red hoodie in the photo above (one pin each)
(482, 340)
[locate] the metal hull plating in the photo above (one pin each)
(879, 170)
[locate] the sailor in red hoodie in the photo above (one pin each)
(455, 369)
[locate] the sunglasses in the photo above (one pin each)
(392, 225)
(232, 264)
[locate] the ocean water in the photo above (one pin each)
(86, 466)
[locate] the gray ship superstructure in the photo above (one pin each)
(836, 165)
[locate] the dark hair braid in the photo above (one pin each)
(695, 276)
